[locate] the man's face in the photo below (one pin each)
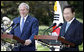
(23, 11)
(68, 15)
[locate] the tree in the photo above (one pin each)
(42, 10)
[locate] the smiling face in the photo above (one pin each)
(68, 15)
(23, 11)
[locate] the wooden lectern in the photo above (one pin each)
(3, 36)
(49, 41)
(49, 37)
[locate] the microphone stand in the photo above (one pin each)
(44, 32)
(49, 28)
(44, 44)
(9, 27)
(15, 26)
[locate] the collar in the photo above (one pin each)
(71, 20)
(25, 17)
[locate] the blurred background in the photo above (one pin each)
(42, 10)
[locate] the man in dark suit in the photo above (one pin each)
(27, 28)
(72, 29)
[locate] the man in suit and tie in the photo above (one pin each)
(72, 29)
(26, 30)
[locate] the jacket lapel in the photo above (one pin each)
(64, 29)
(19, 25)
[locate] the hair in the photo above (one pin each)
(27, 6)
(72, 8)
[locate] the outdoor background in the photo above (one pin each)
(43, 11)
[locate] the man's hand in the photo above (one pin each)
(68, 45)
(62, 37)
(27, 42)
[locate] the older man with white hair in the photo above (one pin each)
(26, 30)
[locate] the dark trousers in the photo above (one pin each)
(23, 48)
(70, 49)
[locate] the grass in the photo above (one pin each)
(41, 48)
(81, 47)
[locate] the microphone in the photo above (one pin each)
(58, 26)
(15, 26)
(9, 26)
(50, 27)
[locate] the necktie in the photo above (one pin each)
(22, 24)
(67, 25)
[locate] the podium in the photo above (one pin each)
(3, 36)
(9, 36)
(19, 41)
(53, 41)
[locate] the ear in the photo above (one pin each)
(28, 11)
(74, 13)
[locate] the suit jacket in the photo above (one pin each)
(73, 34)
(29, 30)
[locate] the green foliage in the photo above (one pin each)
(78, 5)
(39, 9)
(42, 10)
